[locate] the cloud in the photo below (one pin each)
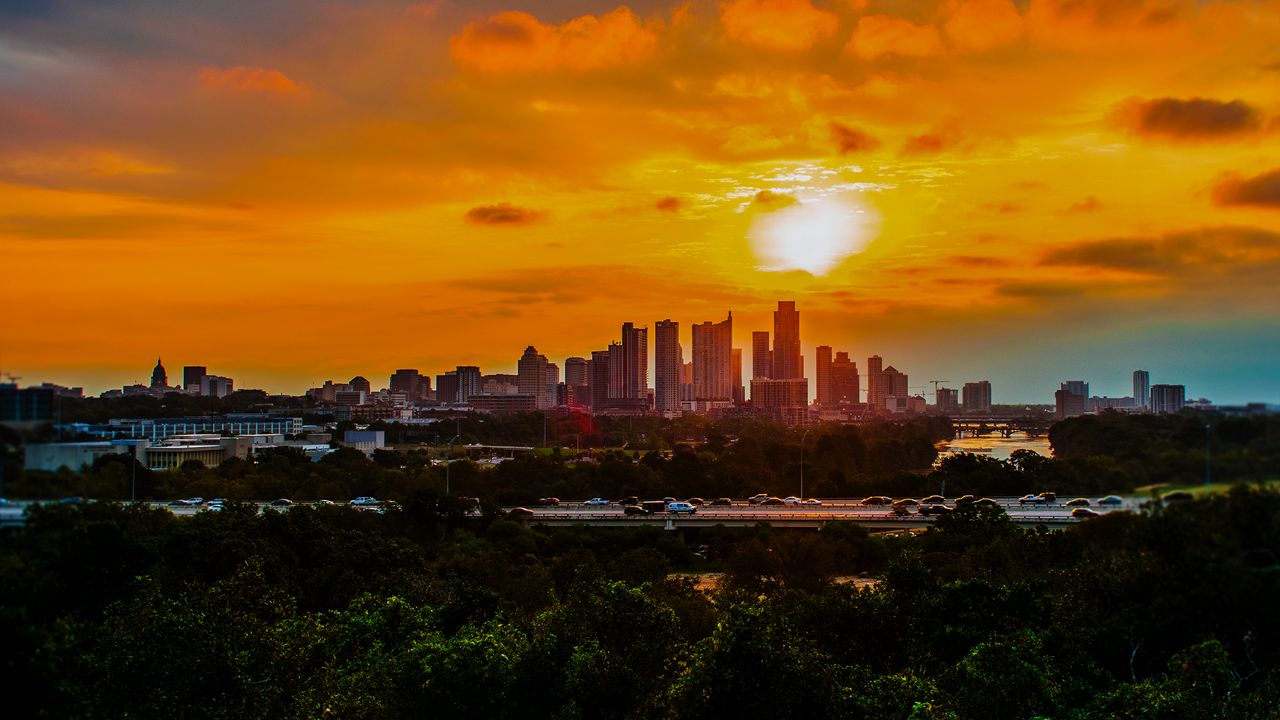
(668, 204)
(930, 143)
(1039, 290)
(1193, 119)
(503, 214)
(852, 140)
(519, 42)
(1193, 252)
(771, 200)
(1003, 207)
(1087, 205)
(1260, 190)
(242, 79)
(881, 35)
(983, 25)
(785, 25)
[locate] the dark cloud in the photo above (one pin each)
(1087, 205)
(852, 140)
(1198, 251)
(1261, 190)
(927, 144)
(772, 200)
(503, 214)
(668, 204)
(1194, 119)
(1041, 290)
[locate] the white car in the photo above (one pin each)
(681, 507)
(811, 501)
(365, 500)
(792, 500)
(596, 501)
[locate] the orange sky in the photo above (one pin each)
(297, 191)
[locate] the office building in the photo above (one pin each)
(551, 384)
(1071, 399)
(895, 389)
(713, 360)
(844, 380)
(667, 364)
(976, 396)
(407, 381)
(947, 400)
(533, 374)
(876, 391)
(787, 363)
(784, 400)
(1168, 398)
(635, 362)
(469, 381)
(575, 372)
(191, 377)
(447, 387)
(360, 383)
(822, 385)
(761, 357)
(599, 380)
(739, 391)
(216, 386)
(1142, 389)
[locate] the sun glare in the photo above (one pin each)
(814, 236)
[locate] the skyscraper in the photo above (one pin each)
(844, 380)
(761, 367)
(976, 396)
(876, 390)
(946, 399)
(469, 381)
(531, 373)
(666, 366)
(1071, 399)
(823, 379)
(359, 383)
(599, 380)
(1142, 389)
(407, 381)
(895, 388)
(635, 361)
(1168, 398)
(786, 342)
(191, 377)
(713, 360)
(575, 372)
(739, 392)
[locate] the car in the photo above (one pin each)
(1077, 502)
(629, 500)
(907, 501)
(73, 500)
(758, 498)
(391, 505)
(520, 512)
(986, 501)
(635, 510)
(1048, 497)
(772, 501)
(722, 502)
(697, 501)
(218, 500)
(549, 501)
(365, 500)
(668, 499)
(1111, 500)
(1177, 496)
(791, 500)
(596, 501)
(325, 503)
(1083, 512)
(188, 502)
(281, 502)
(1033, 499)
(932, 509)
(933, 500)
(877, 500)
(811, 501)
(212, 507)
(681, 507)
(965, 499)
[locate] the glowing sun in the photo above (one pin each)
(814, 236)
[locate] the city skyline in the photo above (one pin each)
(1021, 191)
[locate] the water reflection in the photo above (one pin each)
(994, 446)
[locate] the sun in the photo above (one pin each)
(812, 235)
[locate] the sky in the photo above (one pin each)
(289, 191)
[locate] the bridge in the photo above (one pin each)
(1004, 426)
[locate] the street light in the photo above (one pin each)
(802, 437)
(447, 464)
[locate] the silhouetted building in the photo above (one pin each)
(191, 377)
(159, 378)
(976, 396)
(216, 386)
(1142, 389)
(666, 366)
(575, 371)
(739, 392)
(599, 380)
(787, 363)
(635, 362)
(1168, 398)
(713, 360)
(822, 381)
(784, 400)
(895, 386)
(469, 381)
(761, 365)
(876, 390)
(533, 374)
(503, 403)
(844, 380)
(360, 383)
(20, 406)
(947, 400)
(1071, 399)
(447, 387)
(407, 381)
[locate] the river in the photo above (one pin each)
(994, 445)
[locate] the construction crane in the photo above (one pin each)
(936, 383)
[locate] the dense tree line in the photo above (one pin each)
(120, 611)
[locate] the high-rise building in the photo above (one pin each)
(947, 400)
(216, 386)
(635, 361)
(895, 385)
(599, 380)
(575, 371)
(785, 400)
(447, 387)
(823, 380)
(551, 384)
(739, 392)
(469, 382)
(532, 374)
(844, 380)
(976, 396)
(359, 383)
(1071, 399)
(666, 366)
(617, 372)
(1142, 389)
(407, 381)
(159, 378)
(713, 360)
(1168, 398)
(686, 379)
(876, 390)
(761, 366)
(191, 377)
(787, 363)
